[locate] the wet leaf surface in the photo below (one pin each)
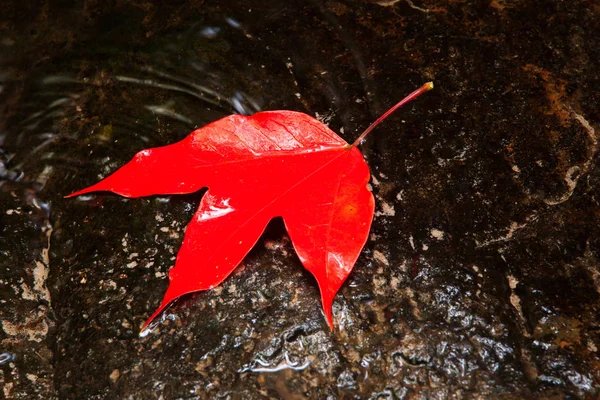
(481, 272)
(268, 165)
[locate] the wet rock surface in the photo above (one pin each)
(482, 275)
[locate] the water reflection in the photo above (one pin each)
(261, 365)
(6, 357)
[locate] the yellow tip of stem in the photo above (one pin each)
(428, 86)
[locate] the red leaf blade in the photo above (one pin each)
(278, 163)
(329, 251)
(202, 263)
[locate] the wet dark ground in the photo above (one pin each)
(482, 275)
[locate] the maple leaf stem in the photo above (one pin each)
(425, 88)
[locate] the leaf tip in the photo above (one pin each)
(144, 331)
(327, 301)
(330, 322)
(80, 192)
(149, 325)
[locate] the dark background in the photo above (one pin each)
(481, 278)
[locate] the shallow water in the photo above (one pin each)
(481, 275)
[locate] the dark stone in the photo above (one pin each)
(482, 275)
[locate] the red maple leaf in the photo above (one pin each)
(271, 164)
